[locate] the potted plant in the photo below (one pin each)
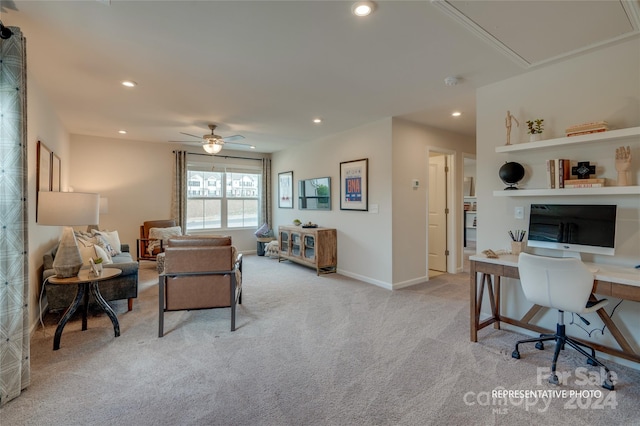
(297, 222)
(98, 262)
(535, 129)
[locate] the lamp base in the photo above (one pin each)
(67, 262)
(67, 271)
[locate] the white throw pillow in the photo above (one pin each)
(112, 238)
(100, 252)
(164, 233)
(86, 252)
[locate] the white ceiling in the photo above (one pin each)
(265, 69)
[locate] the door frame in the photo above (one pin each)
(453, 217)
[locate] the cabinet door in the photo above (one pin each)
(309, 247)
(296, 244)
(284, 242)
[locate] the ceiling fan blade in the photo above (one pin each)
(189, 134)
(233, 138)
(239, 144)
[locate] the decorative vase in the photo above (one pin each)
(68, 261)
(535, 137)
(511, 173)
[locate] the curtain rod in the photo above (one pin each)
(224, 156)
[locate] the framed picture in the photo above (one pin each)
(43, 172)
(55, 173)
(354, 185)
(285, 190)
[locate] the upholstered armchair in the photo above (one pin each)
(151, 242)
(200, 273)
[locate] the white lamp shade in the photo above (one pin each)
(104, 205)
(68, 208)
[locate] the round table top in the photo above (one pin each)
(86, 276)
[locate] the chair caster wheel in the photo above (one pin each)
(515, 354)
(540, 346)
(591, 362)
(607, 385)
(553, 379)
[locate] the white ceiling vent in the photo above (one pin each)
(536, 32)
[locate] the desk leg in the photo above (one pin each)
(67, 315)
(615, 332)
(473, 301)
(103, 303)
(496, 304)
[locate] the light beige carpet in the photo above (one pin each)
(309, 350)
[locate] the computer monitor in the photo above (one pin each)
(584, 228)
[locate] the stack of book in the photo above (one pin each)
(586, 128)
(584, 183)
(558, 171)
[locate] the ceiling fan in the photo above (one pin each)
(213, 143)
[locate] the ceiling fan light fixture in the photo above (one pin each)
(212, 147)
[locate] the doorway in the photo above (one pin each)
(438, 212)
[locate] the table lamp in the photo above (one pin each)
(67, 209)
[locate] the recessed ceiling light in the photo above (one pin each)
(363, 8)
(456, 113)
(317, 120)
(129, 83)
(252, 147)
(122, 132)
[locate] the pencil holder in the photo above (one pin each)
(517, 247)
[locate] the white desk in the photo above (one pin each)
(614, 281)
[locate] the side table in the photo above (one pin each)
(86, 281)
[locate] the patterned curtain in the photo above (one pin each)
(15, 371)
(266, 191)
(179, 190)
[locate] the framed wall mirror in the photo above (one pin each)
(314, 194)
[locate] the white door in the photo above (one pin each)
(437, 213)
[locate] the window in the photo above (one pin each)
(221, 200)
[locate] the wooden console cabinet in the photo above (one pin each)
(314, 247)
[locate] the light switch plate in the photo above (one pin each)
(519, 213)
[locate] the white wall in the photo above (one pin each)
(364, 249)
(42, 125)
(602, 85)
(411, 143)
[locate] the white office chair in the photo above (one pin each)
(564, 284)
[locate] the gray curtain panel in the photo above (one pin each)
(15, 373)
(179, 191)
(266, 191)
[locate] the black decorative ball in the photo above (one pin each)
(511, 173)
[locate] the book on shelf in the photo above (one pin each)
(563, 171)
(586, 132)
(583, 181)
(587, 128)
(551, 176)
(583, 185)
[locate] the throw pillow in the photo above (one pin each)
(112, 238)
(86, 252)
(104, 244)
(100, 252)
(162, 234)
(263, 230)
